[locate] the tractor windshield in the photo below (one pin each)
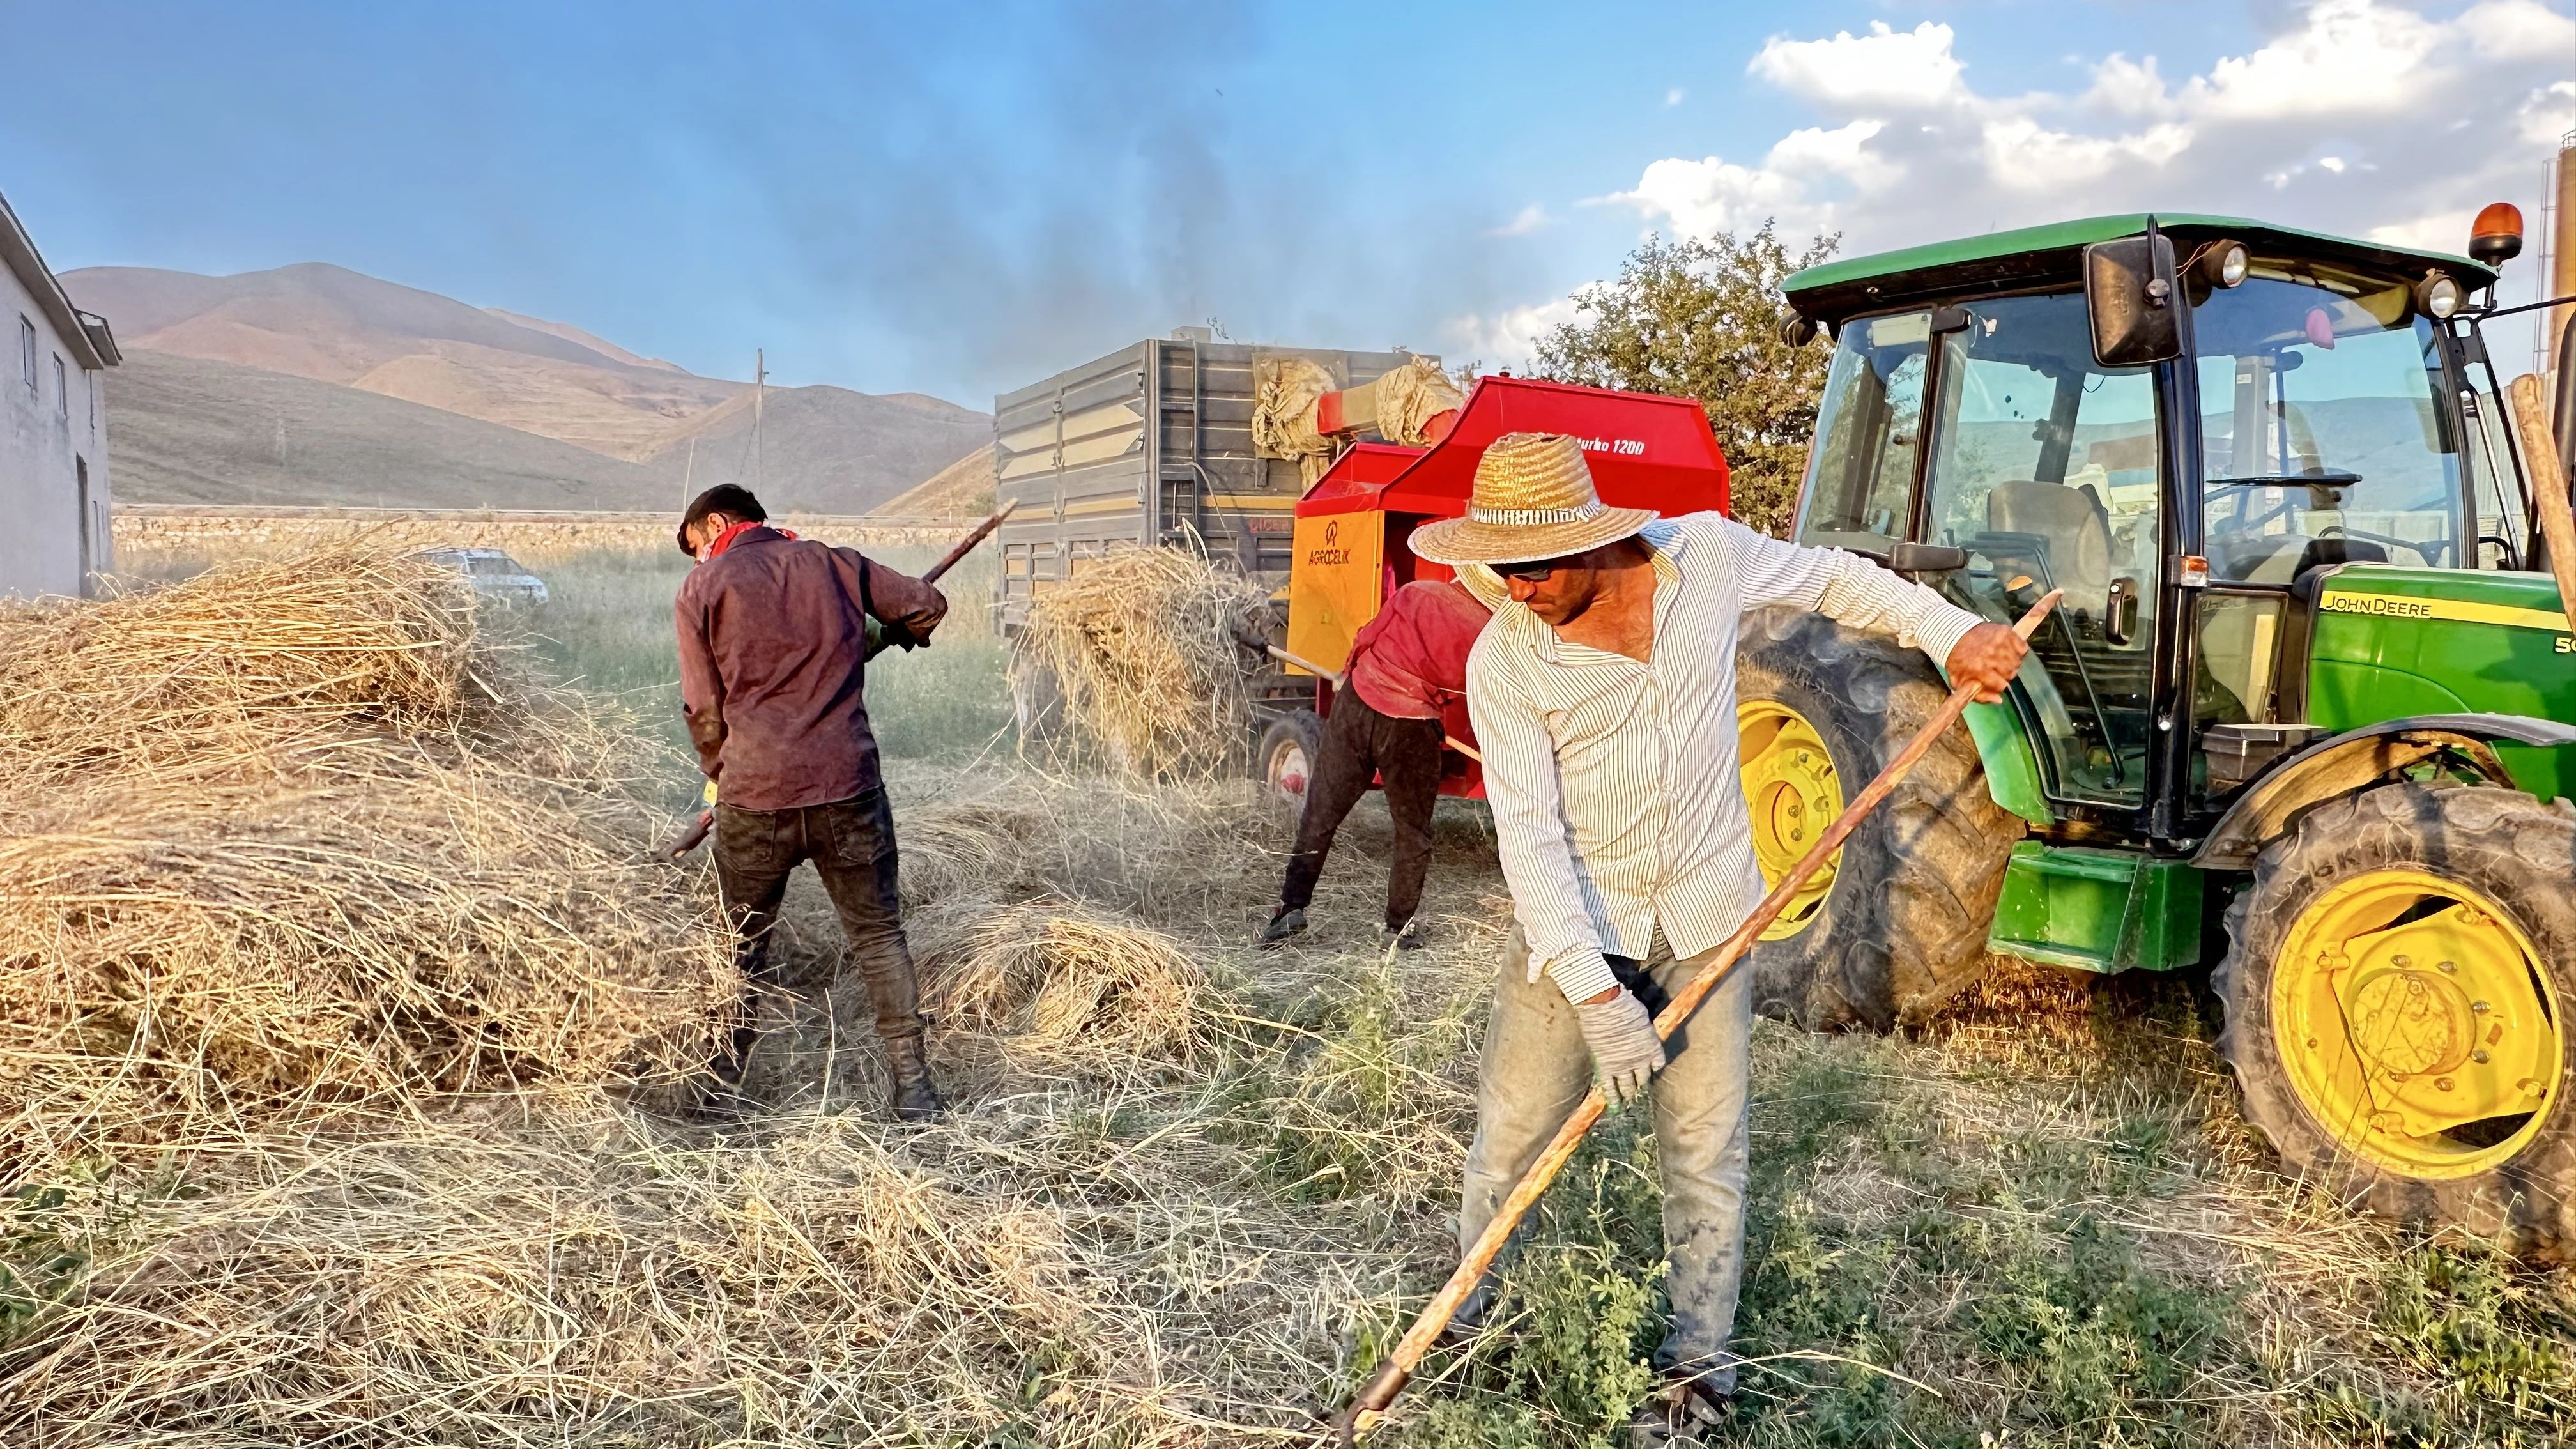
(2322, 435)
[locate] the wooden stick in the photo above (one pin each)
(2548, 483)
(1311, 667)
(1367, 1409)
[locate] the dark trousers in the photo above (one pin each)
(1360, 742)
(851, 843)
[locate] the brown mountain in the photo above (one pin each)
(963, 489)
(186, 430)
(821, 447)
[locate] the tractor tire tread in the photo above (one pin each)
(2490, 838)
(1905, 926)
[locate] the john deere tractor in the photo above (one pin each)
(2306, 708)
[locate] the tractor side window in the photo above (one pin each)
(2045, 469)
(1860, 477)
(2322, 436)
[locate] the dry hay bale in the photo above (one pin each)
(1061, 978)
(171, 677)
(576, 1279)
(1145, 649)
(337, 851)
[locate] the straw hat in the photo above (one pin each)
(1534, 499)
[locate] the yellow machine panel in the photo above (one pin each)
(1333, 584)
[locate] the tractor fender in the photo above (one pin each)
(2341, 764)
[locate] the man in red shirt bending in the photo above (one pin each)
(1407, 665)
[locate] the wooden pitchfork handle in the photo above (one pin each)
(1381, 1389)
(1338, 680)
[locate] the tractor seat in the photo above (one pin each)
(2073, 526)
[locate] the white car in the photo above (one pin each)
(495, 575)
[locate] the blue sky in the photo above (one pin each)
(960, 199)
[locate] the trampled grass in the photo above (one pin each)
(1186, 1204)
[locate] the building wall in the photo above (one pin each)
(48, 441)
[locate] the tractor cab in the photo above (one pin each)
(2317, 430)
(2306, 713)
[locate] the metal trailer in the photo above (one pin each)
(1152, 446)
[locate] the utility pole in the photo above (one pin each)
(759, 397)
(689, 478)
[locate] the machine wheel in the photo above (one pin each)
(1902, 922)
(1289, 749)
(2396, 987)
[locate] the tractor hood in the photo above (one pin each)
(2052, 255)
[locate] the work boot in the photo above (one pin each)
(1684, 1411)
(1284, 923)
(915, 1099)
(1407, 935)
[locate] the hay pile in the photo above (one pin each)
(1144, 651)
(288, 838)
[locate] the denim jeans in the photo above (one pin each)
(1536, 1070)
(851, 843)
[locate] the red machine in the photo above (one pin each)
(1645, 451)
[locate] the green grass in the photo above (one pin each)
(1997, 1233)
(608, 629)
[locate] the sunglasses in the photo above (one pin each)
(1536, 571)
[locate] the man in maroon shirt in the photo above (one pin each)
(1407, 665)
(773, 648)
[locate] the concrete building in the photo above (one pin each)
(54, 358)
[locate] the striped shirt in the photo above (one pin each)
(1614, 783)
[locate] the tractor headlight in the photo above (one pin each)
(2224, 263)
(2437, 296)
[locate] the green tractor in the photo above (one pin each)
(2307, 713)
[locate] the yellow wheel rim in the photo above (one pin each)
(1789, 787)
(2417, 1024)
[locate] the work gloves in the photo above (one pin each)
(1625, 1049)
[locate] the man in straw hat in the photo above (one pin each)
(773, 674)
(1603, 695)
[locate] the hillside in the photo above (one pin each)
(824, 447)
(963, 489)
(185, 430)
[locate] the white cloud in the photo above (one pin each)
(2416, 120)
(2350, 56)
(1674, 96)
(2128, 87)
(2390, 119)
(1528, 219)
(1508, 339)
(1885, 68)
(2519, 29)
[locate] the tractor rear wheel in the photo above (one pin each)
(2397, 985)
(1898, 921)
(1289, 749)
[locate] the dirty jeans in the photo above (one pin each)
(1360, 743)
(1536, 1070)
(851, 843)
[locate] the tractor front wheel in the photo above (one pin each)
(2396, 987)
(1897, 921)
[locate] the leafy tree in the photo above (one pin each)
(1702, 319)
